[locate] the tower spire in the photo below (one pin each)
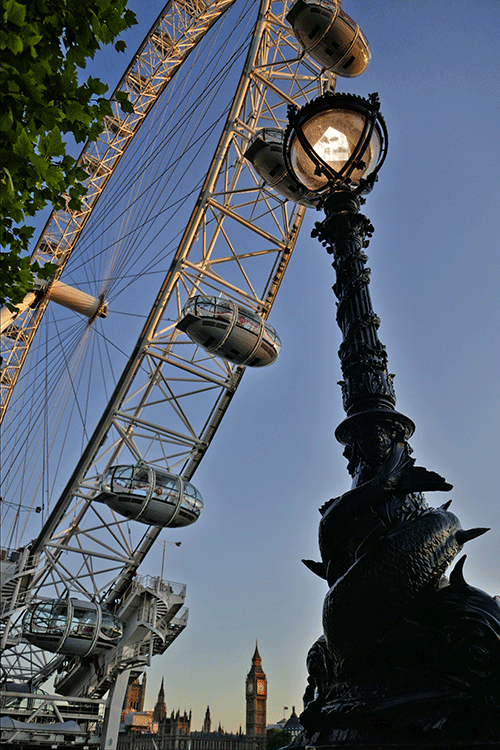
(160, 710)
(256, 656)
(207, 723)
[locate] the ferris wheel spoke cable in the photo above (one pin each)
(94, 355)
(133, 232)
(38, 398)
(70, 366)
(180, 125)
(39, 401)
(102, 353)
(110, 344)
(191, 145)
(194, 57)
(179, 201)
(35, 449)
(59, 357)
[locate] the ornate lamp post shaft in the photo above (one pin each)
(344, 232)
(367, 388)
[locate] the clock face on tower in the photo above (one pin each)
(249, 688)
(261, 687)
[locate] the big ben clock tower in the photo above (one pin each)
(256, 694)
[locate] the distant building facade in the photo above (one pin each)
(139, 722)
(134, 697)
(217, 741)
(174, 733)
(207, 722)
(155, 730)
(293, 724)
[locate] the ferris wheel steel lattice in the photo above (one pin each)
(132, 389)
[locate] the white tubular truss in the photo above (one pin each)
(171, 396)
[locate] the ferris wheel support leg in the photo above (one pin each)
(109, 737)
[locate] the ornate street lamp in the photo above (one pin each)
(407, 657)
(335, 146)
(336, 142)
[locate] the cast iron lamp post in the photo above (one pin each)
(335, 147)
(407, 656)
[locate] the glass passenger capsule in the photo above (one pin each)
(329, 36)
(150, 496)
(230, 331)
(71, 626)
(265, 153)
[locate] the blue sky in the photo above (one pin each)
(435, 285)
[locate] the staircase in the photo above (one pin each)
(17, 570)
(167, 599)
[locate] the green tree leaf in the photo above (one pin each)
(55, 145)
(15, 43)
(123, 100)
(14, 12)
(23, 146)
